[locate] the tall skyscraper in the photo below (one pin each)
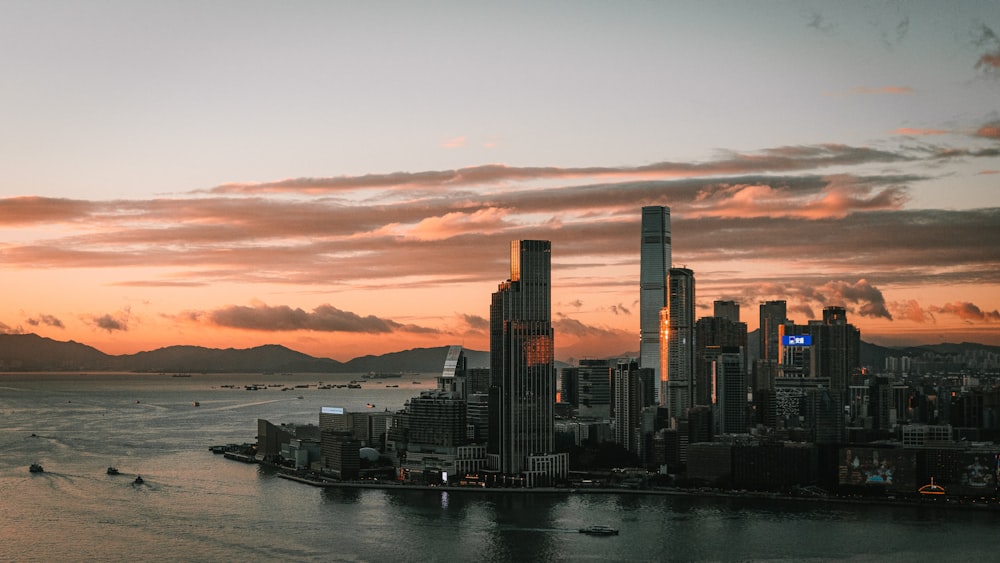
(654, 267)
(772, 315)
(522, 366)
(678, 342)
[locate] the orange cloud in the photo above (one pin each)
(989, 130)
(917, 132)
(457, 142)
(882, 90)
(968, 312)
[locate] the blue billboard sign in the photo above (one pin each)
(797, 340)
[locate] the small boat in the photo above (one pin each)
(599, 531)
(371, 405)
(36, 468)
(196, 403)
(112, 470)
(138, 480)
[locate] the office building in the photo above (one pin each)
(522, 369)
(628, 406)
(594, 385)
(677, 342)
(654, 267)
(731, 395)
(772, 315)
(729, 310)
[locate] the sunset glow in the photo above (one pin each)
(345, 184)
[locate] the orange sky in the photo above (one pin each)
(346, 267)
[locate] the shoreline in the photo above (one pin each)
(750, 495)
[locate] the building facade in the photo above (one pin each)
(677, 342)
(654, 267)
(522, 365)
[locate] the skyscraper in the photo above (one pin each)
(678, 342)
(654, 267)
(522, 366)
(772, 315)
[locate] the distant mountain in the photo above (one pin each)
(185, 359)
(30, 352)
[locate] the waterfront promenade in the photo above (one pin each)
(756, 495)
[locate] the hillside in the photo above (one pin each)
(30, 352)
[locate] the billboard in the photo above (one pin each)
(332, 410)
(883, 467)
(797, 340)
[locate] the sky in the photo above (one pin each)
(345, 178)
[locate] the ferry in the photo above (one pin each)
(599, 531)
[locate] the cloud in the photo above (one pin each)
(777, 159)
(911, 132)
(988, 62)
(987, 172)
(48, 320)
(476, 322)
(7, 329)
(457, 142)
(968, 312)
(821, 24)
(910, 310)
(619, 309)
(30, 209)
(325, 318)
(117, 322)
(989, 131)
(859, 298)
(565, 326)
(890, 90)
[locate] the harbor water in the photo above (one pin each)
(196, 506)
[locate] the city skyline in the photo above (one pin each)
(344, 179)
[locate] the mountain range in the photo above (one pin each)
(31, 352)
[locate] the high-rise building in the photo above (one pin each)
(522, 367)
(677, 342)
(711, 335)
(594, 385)
(628, 406)
(772, 315)
(729, 310)
(731, 396)
(654, 267)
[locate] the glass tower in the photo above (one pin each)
(654, 266)
(678, 345)
(522, 365)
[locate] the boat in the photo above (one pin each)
(599, 531)
(138, 480)
(371, 405)
(112, 470)
(197, 404)
(36, 468)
